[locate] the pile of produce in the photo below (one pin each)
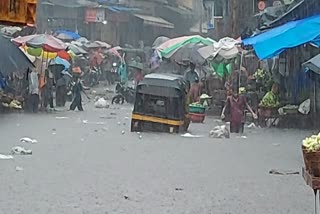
(312, 144)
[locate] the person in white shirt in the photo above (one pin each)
(33, 91)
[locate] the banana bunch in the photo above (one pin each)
(312, 144)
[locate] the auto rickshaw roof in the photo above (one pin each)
(163, 80)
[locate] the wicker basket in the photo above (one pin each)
(312, 162)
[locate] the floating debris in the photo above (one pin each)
(28, 140)
(252, 126)
(5, 157)
(18, 150)
(18, 168)
(220, 132)
(286, 172)
(62, 118)
(188, 135)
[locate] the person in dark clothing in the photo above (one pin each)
(61, 92)
(77, 100)
(48, 91)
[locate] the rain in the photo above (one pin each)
(159, 106)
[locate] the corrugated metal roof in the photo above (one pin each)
(155, 21)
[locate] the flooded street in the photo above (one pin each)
(90, 162)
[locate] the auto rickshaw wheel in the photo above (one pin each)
(136, 126)
(118, 99)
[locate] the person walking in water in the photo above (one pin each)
(77, 100)
(235, 106)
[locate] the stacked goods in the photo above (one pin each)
(197, 112)
(311, 154)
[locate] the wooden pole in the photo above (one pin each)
(201, 18)
(234, 19)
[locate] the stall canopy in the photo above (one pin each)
(313, 64)
(292, 34)
(155, 21)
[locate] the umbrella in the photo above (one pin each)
(97, 44)
(168, 48)
(313, 64)
(115, 51)
(226, 48)
(12, 59)
(103, 44)
(82, 40)
(60, 61)
(38, 52)
(189, 53)
(67, 35)
(44, 41)
(30, 57)
(76, 49)
(136, 65)
(159, 41)
(27, 30)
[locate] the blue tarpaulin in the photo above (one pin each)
(119, 9)
(70, 34)
(292, 34)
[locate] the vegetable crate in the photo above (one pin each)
(311, 161)
(197, 109)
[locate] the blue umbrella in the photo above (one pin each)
(60, 61)
(68, 35)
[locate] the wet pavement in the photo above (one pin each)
(89, 163)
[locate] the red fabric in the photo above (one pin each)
(64, 55)
(95, 59)
(194, 93)
(139, 76)
(237, 107)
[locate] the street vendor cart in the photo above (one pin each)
(160, 104)
(311, 170)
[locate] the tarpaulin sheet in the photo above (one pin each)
(292, 34)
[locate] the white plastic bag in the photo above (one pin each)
(101, 103)
(304, 107)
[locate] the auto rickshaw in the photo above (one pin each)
(161, 104)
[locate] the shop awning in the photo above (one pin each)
(292, 34)
(313, 64)
(155, 21)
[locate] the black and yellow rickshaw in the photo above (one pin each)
(160, 104)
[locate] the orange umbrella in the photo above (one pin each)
(64, 55)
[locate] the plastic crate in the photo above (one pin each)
(197, 109)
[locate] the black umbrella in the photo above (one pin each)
(12, 59)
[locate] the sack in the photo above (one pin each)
(101, 103)
(304, 107)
